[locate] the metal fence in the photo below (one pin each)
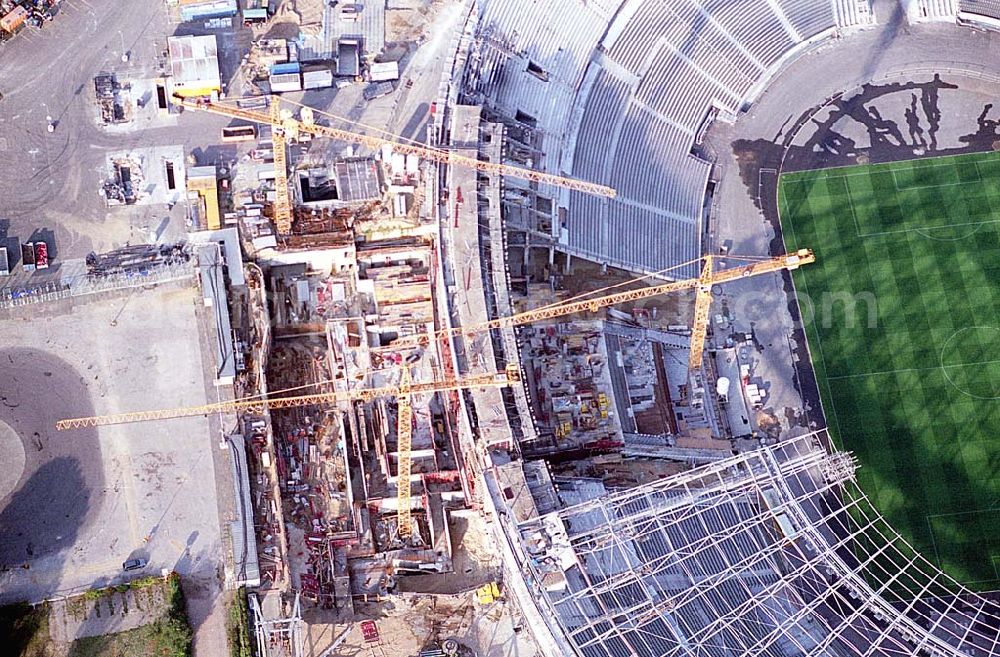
(86, 284)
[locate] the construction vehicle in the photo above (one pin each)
(283, 125)
(28, 256)
(488, 594)
(41, 255)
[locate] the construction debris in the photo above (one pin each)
(113, 100)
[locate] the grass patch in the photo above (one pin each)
(25, 630)
(238, 625)
(916, 394)
(170, 636)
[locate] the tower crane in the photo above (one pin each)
(286, 124)
(703, 301)
(405, 388)
(703, 284)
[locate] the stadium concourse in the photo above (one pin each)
(692, 110)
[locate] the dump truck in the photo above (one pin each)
(28, 256)
(41, 255)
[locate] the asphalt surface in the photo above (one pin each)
(50, 181)
(874, 96)
(88, 499)
(55, 489)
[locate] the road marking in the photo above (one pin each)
(107, 566)
(130, 505)
(919, 228)
(963, 513)
(941, 366)
(937, 555)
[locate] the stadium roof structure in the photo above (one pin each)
(771, 552)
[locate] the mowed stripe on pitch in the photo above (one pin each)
(915, 246)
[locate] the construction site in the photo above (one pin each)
(386, 394)
(377, 402)
(465, 359)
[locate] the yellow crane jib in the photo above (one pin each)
(257, 405)
(787, 261)
(375, 142)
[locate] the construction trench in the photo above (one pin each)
(337, 465)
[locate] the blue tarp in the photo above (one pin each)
(281, 69)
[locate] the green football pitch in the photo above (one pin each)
(902, 314)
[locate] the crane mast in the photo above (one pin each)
(282, 199)
(702, 306)
(404, 448)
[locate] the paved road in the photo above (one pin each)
(49, 182)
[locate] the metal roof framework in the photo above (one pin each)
(194, 63)
(771, 552)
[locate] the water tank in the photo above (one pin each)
(722, 387)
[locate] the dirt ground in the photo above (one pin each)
(474, 560)
(412, 623)
(408, 25)
(676, 308)
(432, 608)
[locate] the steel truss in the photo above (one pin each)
(772, 552)
(278, 637)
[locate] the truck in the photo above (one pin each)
(41, 255)
(377, 90)
(238, 133)
(28, 256)
(4, 262)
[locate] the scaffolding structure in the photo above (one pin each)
(771, 552)
(277, 637)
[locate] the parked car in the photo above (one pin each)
(134, 564)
